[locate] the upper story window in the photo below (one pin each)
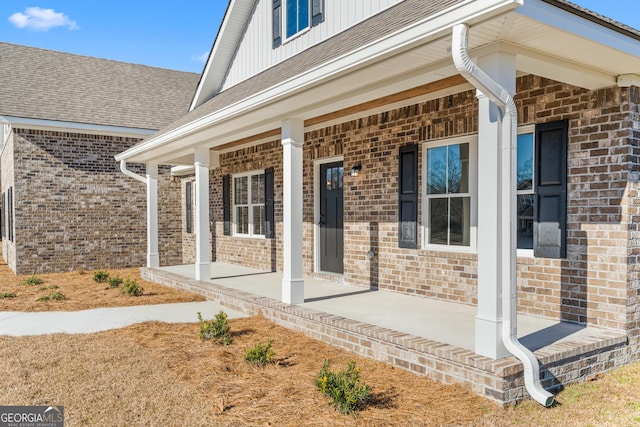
(295, 16)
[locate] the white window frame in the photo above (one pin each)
(472, 140)
(521, 131)
(285, 37)
(250, 205)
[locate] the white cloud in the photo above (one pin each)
(37, 19)
(200, 58)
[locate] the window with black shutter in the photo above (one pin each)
(270, 224)
(226, 204)
(408, 197)
(550, 188)
(188, 207)
(300, 15)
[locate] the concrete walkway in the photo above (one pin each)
(15, 323)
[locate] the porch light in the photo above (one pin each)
(355, 171)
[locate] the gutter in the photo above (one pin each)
(499, 95)
(123, 168)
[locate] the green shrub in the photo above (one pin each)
(100, 276)
(216, 329)
(7, 295)
(260, 354)
(49, 288)
(131, 287)
(343, 387)
(114, 282)
(53, 296)
(32, 280)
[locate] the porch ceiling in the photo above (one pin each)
(547, 41)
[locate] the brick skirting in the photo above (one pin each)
(499, 380)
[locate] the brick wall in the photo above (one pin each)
(74, 209)
(597, 282)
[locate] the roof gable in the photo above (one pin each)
(50, 85)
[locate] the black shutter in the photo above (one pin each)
(226, 204)
(270, 226)
(189, 212)
(550, 213)
(408, 197)
(317, 12)
(277, 23)
(10, 202)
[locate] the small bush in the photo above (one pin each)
(49, 288)
(216, 329)
(114, 282)
(100, 276)
(343, 387)
(7, 295)
(131, 287)
(53, 296)
(32, 280)
(260, 354)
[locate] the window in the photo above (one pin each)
(524, 185)
(298, 16)
(10, 213)
(449, 192)
(249, 214)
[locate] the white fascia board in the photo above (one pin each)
(223, 50)
(574, 24)
(469, 11)
(182, 170)
(61, 126)
(628, 80)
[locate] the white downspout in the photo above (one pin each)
(123, 168)
(498, 95)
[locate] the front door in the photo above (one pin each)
(331, 223)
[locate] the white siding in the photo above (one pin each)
(255, 52)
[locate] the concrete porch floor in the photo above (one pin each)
(424, 336)
(436, 320)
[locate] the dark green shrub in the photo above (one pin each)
(32, 280)
(344, 389)
(131, 287)
(260, 354)
(100, 276)
(114, 282)
(53, 296)
(216, 329)
(7, 295)
(49, 288)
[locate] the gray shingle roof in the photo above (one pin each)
(50, 85)
(376, 27)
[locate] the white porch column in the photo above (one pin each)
(488, 334)
(153, 258)
(292, 275)
(203, 252)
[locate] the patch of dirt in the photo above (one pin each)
(160, 374)
(81, 292)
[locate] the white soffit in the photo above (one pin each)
(561, 40)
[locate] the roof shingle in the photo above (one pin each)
(49, 85)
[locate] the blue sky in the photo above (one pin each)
(161, 33)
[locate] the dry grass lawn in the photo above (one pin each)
(162, 374)
(81, 291)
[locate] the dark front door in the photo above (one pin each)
(331, 210)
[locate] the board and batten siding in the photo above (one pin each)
(255, 52)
